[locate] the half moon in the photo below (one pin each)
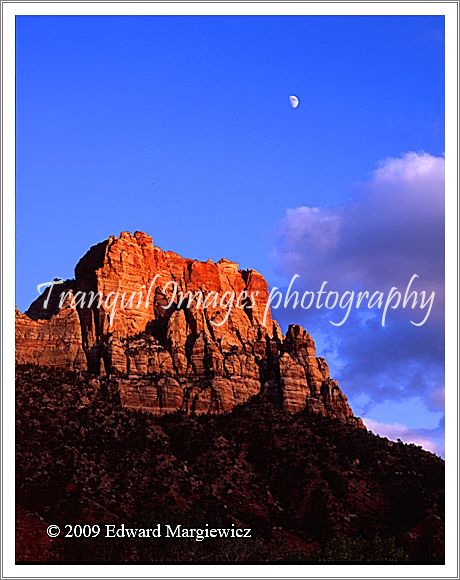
(294, 101)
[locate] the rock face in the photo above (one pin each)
(176, 333)
(56, 342)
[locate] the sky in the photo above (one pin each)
(182, 127)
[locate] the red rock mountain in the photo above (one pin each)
(167, 355)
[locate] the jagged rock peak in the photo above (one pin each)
(168, 350)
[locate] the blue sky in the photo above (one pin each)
(181, 127)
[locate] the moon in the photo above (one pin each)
(294, 101)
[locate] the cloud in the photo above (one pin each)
(390, 228)
(431, 440)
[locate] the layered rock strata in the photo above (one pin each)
(163, 325)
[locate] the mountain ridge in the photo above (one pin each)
(159, 415)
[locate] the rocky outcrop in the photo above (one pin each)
(56, 342)
(177, 334)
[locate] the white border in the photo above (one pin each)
(9, 11)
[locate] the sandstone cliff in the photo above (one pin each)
(168, 355)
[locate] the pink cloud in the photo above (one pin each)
(396, 431)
